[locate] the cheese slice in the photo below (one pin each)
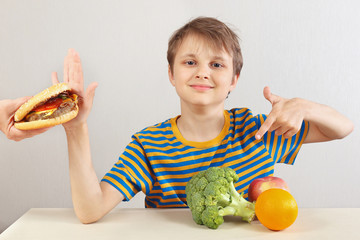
(48, 113)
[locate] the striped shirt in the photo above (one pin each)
(159, 161)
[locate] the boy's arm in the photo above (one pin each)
(91, 200)
(325, 122)
(287, 115)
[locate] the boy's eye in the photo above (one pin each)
(217, 65)
(190, 63)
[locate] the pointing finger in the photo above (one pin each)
(264, 127)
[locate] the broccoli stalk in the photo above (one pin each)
(238, 206)
(211, 194)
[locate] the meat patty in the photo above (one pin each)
(64, 108)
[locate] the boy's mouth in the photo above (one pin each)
(200, 87)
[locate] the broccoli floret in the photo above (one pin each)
(211, 194)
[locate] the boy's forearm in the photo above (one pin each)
(330, 123)
(85, 188)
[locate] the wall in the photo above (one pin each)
(308, 49)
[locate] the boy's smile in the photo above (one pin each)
(202, 74)
(201, 87)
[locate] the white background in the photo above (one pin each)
(308, 49)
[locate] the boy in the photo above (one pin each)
(204, 66)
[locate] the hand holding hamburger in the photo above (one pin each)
(8, 108)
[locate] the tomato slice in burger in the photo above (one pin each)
(51, 104)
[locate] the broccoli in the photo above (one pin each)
(211, 195)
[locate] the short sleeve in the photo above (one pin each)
(283, 150)
(132, 172)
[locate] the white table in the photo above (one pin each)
(130, 223)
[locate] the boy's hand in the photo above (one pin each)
(8, 108)
(285, 118)
(73, 75)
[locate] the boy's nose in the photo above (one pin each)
(201, 76)
(202, 72)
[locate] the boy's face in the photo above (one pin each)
(201, 75)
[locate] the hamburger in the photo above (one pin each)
(55, 105)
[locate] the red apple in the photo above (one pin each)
(259, 185)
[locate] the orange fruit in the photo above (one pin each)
(276, 209)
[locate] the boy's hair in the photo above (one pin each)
(212, 30)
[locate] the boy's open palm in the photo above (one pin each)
(285, 118)
(73, 75)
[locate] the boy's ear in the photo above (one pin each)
(171, 78)
(234, 82)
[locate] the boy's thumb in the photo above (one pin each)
(90, 91)
(267, 94)
(270, 97)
